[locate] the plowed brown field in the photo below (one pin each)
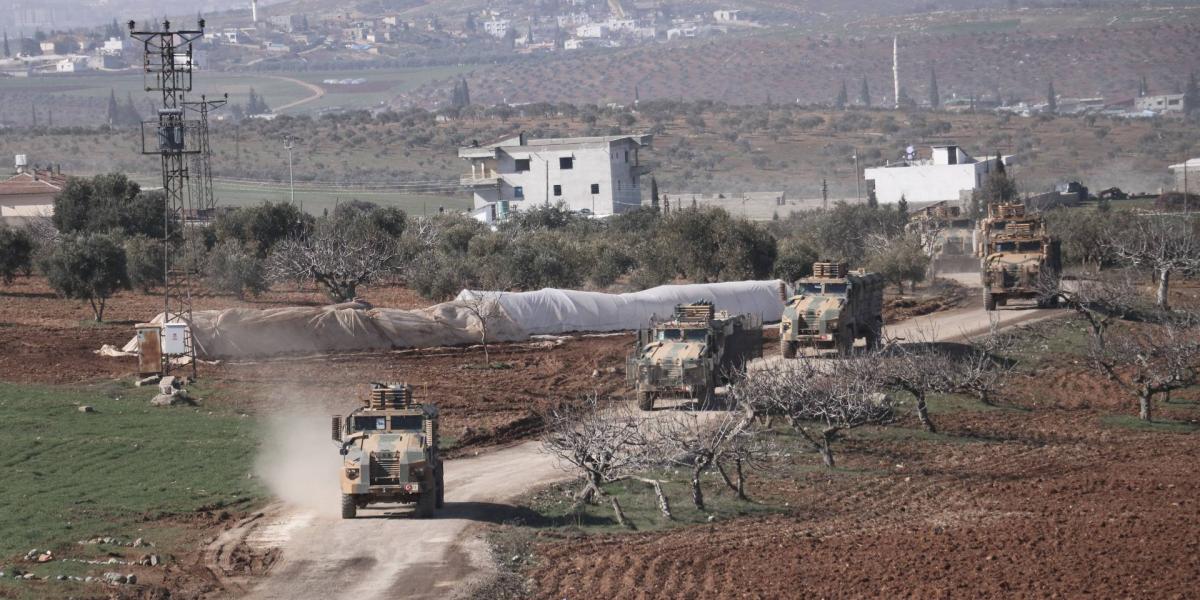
(1041, 500)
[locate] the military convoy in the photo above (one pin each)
(692, 353)
(390, 452)
(1015, 253)
(831, 310)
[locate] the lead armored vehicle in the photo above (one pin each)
(389, 450)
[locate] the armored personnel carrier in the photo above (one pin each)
(1015, 254)
(390, 452)
(691, 354)
(831, 309)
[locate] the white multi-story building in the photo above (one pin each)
(591, 31)
(949, 174)
(1162, 103)
(599, 176)
(497, 27)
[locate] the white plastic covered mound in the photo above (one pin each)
(552, 311)
(245, 332)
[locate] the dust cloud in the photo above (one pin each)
(299, 462)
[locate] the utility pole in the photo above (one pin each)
(288, 144)
(167, 63)
(857, 183)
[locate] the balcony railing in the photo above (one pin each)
(480, 178)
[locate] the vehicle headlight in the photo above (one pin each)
(352, 472)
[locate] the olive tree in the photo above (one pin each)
(88, 267)
(16, 253)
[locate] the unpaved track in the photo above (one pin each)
(386, 553)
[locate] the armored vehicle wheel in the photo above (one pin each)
(989, 302)
(441, 487)
(645, 400)
(349, 508)
(845, 342)
(874, 338)
(788, 349)
(428, 500)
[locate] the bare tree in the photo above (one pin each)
(1152, 360)
(603, 444)
(1099, 298)
(485, 308)
(339, 253)
(919, 369)
(982, 369)
(1163, 243)
(819, 399)
(703, 441)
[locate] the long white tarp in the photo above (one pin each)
(245, 332)
(551, 311)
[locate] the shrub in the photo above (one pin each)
(261, 227)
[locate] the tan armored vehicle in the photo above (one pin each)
(831, 310)
(390, 452)
(947, 236)
(691, 354)
(1015, 254)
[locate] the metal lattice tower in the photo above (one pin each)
(167, 64)
(202, 191)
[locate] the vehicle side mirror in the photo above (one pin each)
(336, 428)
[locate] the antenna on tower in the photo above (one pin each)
(254, 11)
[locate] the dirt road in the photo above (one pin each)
(386, 553)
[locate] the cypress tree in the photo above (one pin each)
(1051, 99)
(935, 98)
(842, 97)
(7, 52)
(113, 110)
(1191, 95)
(864, 93)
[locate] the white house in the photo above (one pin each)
(497, 27)
(592, 175)
(949, 174)
(73, 64)
(1162, 103)
(592, 30)
(1187, 175)
(727, 16)
(114, 47)
(30, 192)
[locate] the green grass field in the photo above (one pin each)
(71, 476)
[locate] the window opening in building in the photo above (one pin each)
(522, 165)
(595, 188)
(519, 192)
(566, 162)
(558, 190)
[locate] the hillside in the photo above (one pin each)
(697, 148)
(792, 66)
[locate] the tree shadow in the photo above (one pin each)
(15, 294)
